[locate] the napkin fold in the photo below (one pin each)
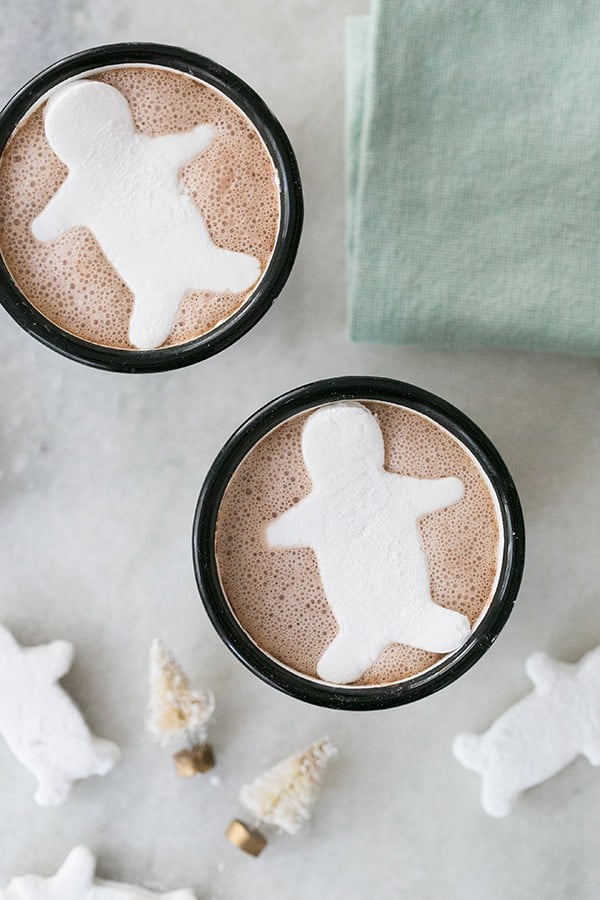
(473, 160)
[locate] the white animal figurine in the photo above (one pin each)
(362, 523)
(41, 724)
(540, 735)
(75, 881)
(125, 187)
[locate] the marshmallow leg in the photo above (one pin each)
(105, 755)
(96, 757)
(152, 319)
(494, 802)
(54, 786)
(347, 657)
(435, 629)
(52, 789)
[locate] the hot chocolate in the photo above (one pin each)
(225, 209)
(359, 543)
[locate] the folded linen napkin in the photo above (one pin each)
(473, 163)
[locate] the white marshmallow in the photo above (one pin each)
(75, 881)
(540, 735)
(124, 186)
(362, 523)
(41, 724)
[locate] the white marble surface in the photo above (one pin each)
(99, 478)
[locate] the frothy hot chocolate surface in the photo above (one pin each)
(232, 182)
(277, 593)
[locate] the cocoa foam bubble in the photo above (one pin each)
(277, 594)
(233, 183)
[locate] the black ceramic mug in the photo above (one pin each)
(385, 396)
(274, 276)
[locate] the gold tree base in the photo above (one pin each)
(194, 761)
(245, 838)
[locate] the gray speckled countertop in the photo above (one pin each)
(99, 478)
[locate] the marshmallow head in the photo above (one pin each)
(352, 437)
(102, 108)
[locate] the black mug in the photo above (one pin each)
(290, 197)
(311, 689)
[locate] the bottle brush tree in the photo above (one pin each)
(178, 711)
(283, 796)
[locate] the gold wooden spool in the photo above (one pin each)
(252, 842)
(194, 761)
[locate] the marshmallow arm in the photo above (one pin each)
(542, 670)
(589, 665)
(467, 750)
(431, 494)
(181, 148)
(293, 528)
(54, 659)
(56, 217)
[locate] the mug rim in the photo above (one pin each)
(290, 201)
(220, 612)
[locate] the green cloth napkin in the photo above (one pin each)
(473, 156)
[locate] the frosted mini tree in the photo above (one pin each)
(283, 796)
(176, 710)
